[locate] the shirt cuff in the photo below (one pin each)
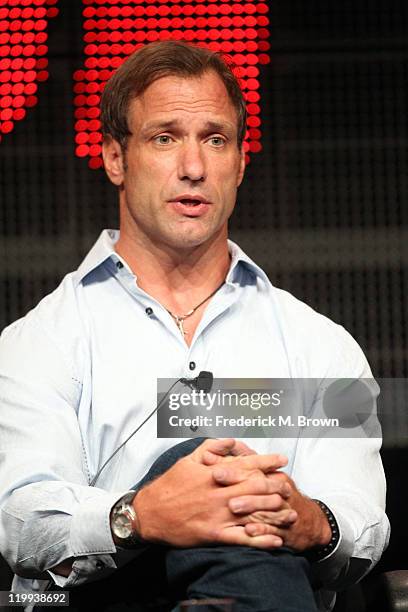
(90, 531)
(91, 542)
(86, 569)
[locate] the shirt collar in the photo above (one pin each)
(239, 258)
(104, 248)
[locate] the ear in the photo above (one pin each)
(113, 159)
(242, 166)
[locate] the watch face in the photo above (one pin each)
(122, 525)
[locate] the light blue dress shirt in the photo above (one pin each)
(78, 373)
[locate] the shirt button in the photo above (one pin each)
(100, 565)
(119, 265)
(149, 311)
(192, 365)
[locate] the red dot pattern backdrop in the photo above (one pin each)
(23, 61)
(113, 29)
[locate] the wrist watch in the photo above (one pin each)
(123, 522)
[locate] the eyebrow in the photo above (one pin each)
(219, 126)
(159, 125)
(209, 126)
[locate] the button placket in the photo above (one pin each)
(215, 309)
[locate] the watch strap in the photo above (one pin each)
(321, 552)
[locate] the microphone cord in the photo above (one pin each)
(95, 478)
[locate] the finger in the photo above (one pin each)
(240, 448)
(233, 472)
(255, 486)
(266, 463)
(239, 536)
(281, 483)
(211, 457)
(215, 447)
(263, 529)
(246, 504)
(282, 518)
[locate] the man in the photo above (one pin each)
(167, 297)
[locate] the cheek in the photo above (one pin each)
(142, 173)
(229, 182)
(157, 170)
(148, 182)
(228, 172)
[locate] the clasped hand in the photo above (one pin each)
(223, 492)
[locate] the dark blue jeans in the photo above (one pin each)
(258, 580)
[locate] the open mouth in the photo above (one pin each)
(187, 202)
(190, 205)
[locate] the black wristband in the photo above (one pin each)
(320, 552)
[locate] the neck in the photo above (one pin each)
(177, 278)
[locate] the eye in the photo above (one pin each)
(217, 141)
(163, 139)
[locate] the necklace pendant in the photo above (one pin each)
(179, 322)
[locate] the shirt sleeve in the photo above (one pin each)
(49, 513)
(343, 468)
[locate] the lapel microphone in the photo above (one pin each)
(203, 382)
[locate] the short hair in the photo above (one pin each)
(157, 60)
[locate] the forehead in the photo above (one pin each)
(191, 97)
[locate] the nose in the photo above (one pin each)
(192, 165)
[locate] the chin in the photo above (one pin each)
(187, 244)
(188, 241)
(189, 237)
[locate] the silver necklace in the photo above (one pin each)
(179, 319)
